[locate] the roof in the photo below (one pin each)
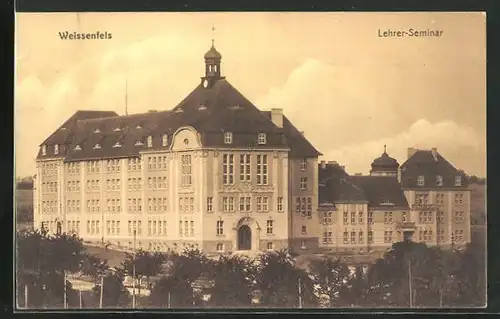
(336, 186)
(425, 163)
(385, 163)
(212, 54)
(211, 111)
(298, 143)
(381, 191)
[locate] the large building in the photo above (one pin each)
(214, 172)
(424, 200)
(217, 173)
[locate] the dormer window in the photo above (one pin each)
(228, 138)
(44, 150)
(117, 144)
(78, 148)
(303, 164)
(150, 141)
(458, 180)
(439, 180)
(56, 149)
(117, 129)
(164, 140)
(97, 130)
(139, 143)
(96, 147)
(138, 126)
(262, 138)
(420, 180)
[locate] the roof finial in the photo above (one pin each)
(385, 148)
(213, 32)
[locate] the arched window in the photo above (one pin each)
(209, 68)
(215, 68)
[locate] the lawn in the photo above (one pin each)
(113, 257)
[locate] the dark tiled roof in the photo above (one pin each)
(423, 163)
(329, 182)
(385, 163)
(211, 111)
(380, 190)
(299, 145)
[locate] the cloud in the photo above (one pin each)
(460, 145)
(349, 116)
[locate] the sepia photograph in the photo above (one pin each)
(257, 160)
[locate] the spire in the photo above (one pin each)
(385, 149)
(213, 36)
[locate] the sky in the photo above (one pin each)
(349, 90)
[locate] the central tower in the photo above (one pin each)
(212, 67)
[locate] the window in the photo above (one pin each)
(164, 140)
(269, 228)
(420, 180)
(360, 239)
(262, 204)
(346, 218)
(303, 183)
(345, 237)
(425, 217)
(280, 204)
(440, 217)
(220, 227)
(421, 199)
(149, 141)
(353, 218)
(304, 230)
(459, 235)
(180, 228)
(78, 148)
(262, 137)
(353, 237)
(245, 204)
(228, 138)
(459, 199)
(220, 247)
(304, 206)
(117, 145)
(186, 170)
(440, 199)
(192, 228)
(303, 164)
(458, 180)
(56, 149)
(262, 170)
(439, 180)
(459, 217)
(228, 169)
(370, 218)
(269, 245)
(360, 218)
(97, 146)
(209, 204)
(440, 235)
(387, 237)
(326, 218)
(404, 217)
(228, 204)
(245, 167)
(388, 218)
(370, 237)
(44, 150)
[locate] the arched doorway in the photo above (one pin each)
(59, 228)
(244, 238)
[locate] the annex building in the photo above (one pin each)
(217, 173)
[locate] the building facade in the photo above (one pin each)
(214, 172)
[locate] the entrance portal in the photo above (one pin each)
(407, 236)
(244, 238)
(59, 228)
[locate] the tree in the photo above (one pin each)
(94, 267)
(114, 293)
(147, 264)
(330, 278)
(233, 278)
(42, 259)
(280, 281)
(171, 292)
(188, 266)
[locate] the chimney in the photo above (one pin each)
(411, 151)
(323, 164)
(343, 167)
(303, 133)
(277, 117)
